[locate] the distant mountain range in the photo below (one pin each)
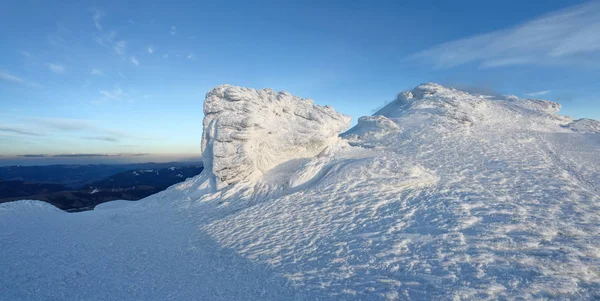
(82, 187)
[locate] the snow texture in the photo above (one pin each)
(442, 195)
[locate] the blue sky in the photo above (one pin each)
(129, 77)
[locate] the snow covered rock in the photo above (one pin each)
(247, 131)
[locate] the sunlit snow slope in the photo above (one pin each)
(440, 195)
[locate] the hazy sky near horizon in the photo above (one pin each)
(129, 77)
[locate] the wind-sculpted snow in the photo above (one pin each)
(442, 195)
(247, 131)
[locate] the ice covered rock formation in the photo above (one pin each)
(247, 131)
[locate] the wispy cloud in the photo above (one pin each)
(566, 37)
(103, 138)
(106, 39)
(81, 155)
(72, 128)
(115, 94)
(165, 56)
(134, 61)
(119, 47)
(62, 124)
(115, 136)
(96, 72)
(98, 14)
(536, 94)
(150, 49)
(59, 69)
(18, 131)
(109, 40)
(7, 77)
(173, 30)
(57, 40)
(191, 56)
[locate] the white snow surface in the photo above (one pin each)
(442, 195)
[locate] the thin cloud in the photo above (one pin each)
(115, 94)
(96, 72)
(134, 61)
(62, 124)
(103, 138)
(166, 56)
(58, 69)
(109, 40)
(536, 94)
(126, 135)
(118, 94)
(84, 155)
(98, 14)
(122, 75)
(119, 47)
(57, 40)
(191, 56)
(173, 30)
(81, 155)
(150, 50)
(7, 77)
(565, 37)
(18, 131)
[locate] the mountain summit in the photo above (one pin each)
(442, 194)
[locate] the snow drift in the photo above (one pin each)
(442, 195)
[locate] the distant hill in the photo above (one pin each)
(159, 178)
(16, 189)
(132, 184)
(75, 176)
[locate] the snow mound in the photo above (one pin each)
(436, 100)
(247, 131)
(28, 207)
(585, 125)
(373, 125)
(434, 105)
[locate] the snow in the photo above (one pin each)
(441, 195)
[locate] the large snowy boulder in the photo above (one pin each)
(247, 131)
